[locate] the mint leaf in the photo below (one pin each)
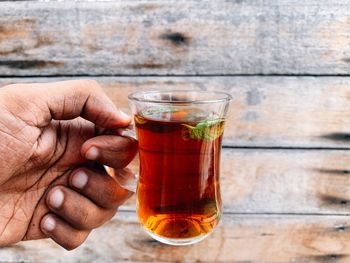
(209, 130)
(158, 110)
(139, 120)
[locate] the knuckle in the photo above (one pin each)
(84, 218)
(110, 196)
(12, 86)
(75, 242)
(72, 244)
(83, 221)
(83, 87)
(92, 84)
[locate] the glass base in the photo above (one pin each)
(177, 241)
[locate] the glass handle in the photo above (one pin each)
(125, 177)
(127, 132)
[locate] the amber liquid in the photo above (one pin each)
(178, 193)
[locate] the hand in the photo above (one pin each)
(50, 143)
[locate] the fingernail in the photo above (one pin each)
(56, 198)
(49, 223)
(127, 133)
(124, 115)
(79, 180)
(92, 153)
(126, 179)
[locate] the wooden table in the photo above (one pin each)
(286, 162)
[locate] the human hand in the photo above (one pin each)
(50, 141)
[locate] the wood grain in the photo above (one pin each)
(175, 37)
(308, 112)
(240, 238)
(286, 163)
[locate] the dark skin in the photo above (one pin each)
(52, 136)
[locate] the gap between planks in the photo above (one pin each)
(171, 75)
(128, 210)
(286, 148)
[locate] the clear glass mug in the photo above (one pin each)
(179, 135)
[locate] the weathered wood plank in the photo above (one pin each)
(265, 112)
(283, 181)
(175, 37)
(240, 238)
(298, 112)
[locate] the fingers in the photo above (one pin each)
(111, 150)
(94, 200)
(63, 233)
(91, 199)
(103, 190)
(77, 210)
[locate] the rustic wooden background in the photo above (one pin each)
(286, 159)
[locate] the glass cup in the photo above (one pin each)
(179, 135)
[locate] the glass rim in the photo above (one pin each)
(226, 97)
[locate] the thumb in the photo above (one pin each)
(70, 99)
(86, 99)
